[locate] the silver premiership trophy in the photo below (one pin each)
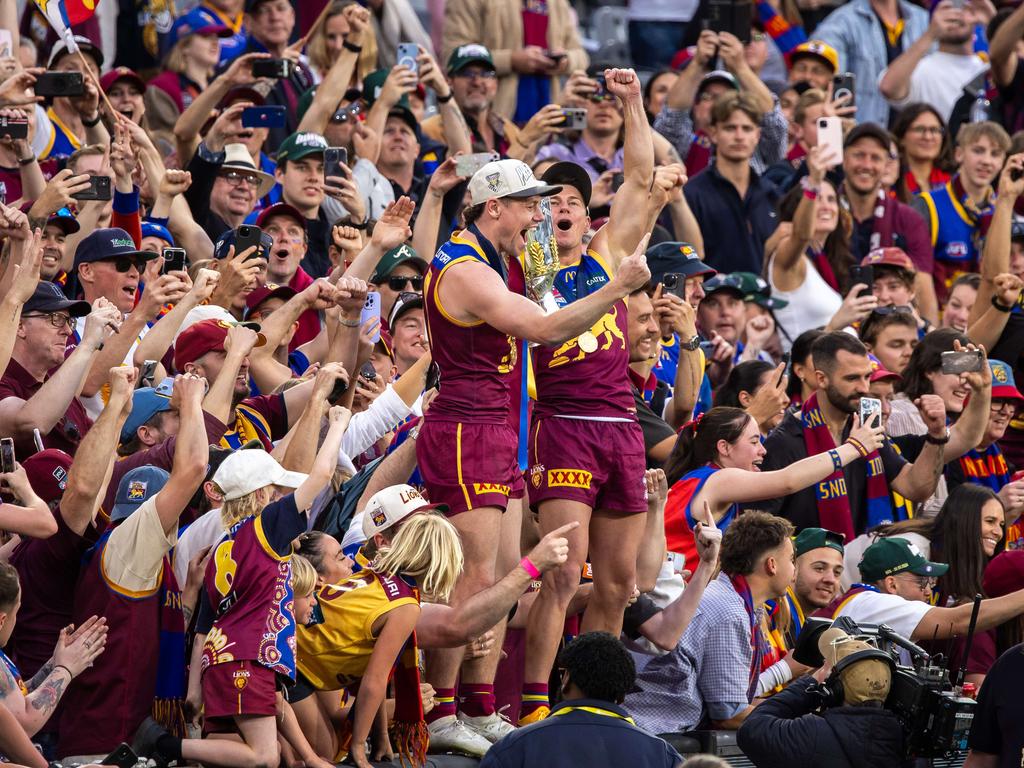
(541, 263)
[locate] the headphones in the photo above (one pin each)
(830, 693)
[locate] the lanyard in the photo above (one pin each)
(593, 711)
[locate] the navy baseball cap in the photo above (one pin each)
(136, 488)
(152, 229)
(227, 239)
(147, 402)
(66, 220)
(109, 243)
(48, 297)
(675, 257)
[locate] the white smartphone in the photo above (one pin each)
(830, 138)
(371, 309)
(869, 406)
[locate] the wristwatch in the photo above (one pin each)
(937, 440)
(691, 345)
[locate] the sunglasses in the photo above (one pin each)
(398, 283)
(343, 115)
(125, 263)
(896, 309)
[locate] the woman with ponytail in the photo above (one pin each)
(367, 631)
(716, 460)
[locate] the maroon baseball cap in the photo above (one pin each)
(889, 257)
(118, 74)
(242, 93)
(880, 373)
(280, 209)
(47, 473)
(263, 293)
(1004, 573)
(205, 336)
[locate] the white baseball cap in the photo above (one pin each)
(392, 505)
(507, 178)
(243, 472)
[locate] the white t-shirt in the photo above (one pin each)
(939, 79)
(899, 614)
(204, 532)
(662, 10)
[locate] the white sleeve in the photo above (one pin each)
(902, 616)
(369, 426)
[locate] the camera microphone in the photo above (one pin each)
(886, 633)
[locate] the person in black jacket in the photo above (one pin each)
(785, 732)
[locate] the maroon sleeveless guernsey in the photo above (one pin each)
(476, 361)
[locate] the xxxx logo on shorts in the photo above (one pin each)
(569, 478)
(481, 488)
(241, 678)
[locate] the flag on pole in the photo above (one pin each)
(62, 14)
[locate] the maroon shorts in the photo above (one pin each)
(599, 463)
(239, 688)
(468, 465)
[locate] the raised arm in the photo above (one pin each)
(652, 545)
(326, 459)
(917, 481)
(986, 330)
(428, 219)
(456, 132)
(24, 277)
(1003, 47)
(944, 623)
(191, 452)
(31, 516)
(158, 340)
(332, 89)
(676, 316)
(301, 452)
(995, 255)
(733, 54)
(895, 82)
(969, 429)
(219, 401)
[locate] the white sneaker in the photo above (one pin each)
(449, 734)
(492, 727)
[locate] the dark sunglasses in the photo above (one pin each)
(896, 309)
(125, 263)
(398, 283)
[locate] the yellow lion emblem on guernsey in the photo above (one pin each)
(605, 330)
(508, 362)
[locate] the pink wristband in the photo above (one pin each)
(530, 568)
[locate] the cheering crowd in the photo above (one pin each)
(378, 386)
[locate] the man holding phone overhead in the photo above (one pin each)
(75, 118)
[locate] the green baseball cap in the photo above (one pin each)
(301, 144)
(817, 538)
(892, 555)
(372, 85)
(756, 289)
(403, 254)
(472, 53)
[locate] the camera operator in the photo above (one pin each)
(997, 736)
(852, 731)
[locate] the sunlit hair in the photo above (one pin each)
(322, 59)
(235, 510)
(427, 548)
(303, 576)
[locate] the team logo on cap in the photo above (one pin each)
(61, 476)
(688, 251)
(307, 139)
(137, 490)
(999, 374)
(473, 49)
(379, 518)
(120, 242)
(494, 182)
(524, 173)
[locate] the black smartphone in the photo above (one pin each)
(785, 368)
(864, 275)
(99, 189)
(367, 371)
(556, 57)
(59, 84)
(6, 455)
(175, 260)
(264, 117)
(732, 16)
(247, 236)
(123, 756)
(1016, 173)
(433, 377)
(674, 283)
(337, 391)
(279, 69)
(843, 85)
(15, 127)
(334, 160)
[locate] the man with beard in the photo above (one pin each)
(959, 211)
(475, 324)
(644, 335)
(937, 77)
(819, 568)
(856, 497)
(585, 379)
(880, 221)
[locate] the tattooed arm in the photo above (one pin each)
(33, 710)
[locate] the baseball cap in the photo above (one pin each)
(64, 219)
(817, 538)
(818, 50)
(869, 131)
(47, 473)
(471, 53)
(152, 229)
(507, 178)
(1003, 574)
(48, 297)
(718, 76)
(193, 23)
(223, 245)
(879, 371)
(281, 209)
(892, 555)
(262, 293)
(676, 257)
(202, 337)
(372, 85)
(889, 257)
(392, 505)
(136, 488)
(403, 304)
(86, 45)
(117, 74)
(721, 282)
(243, 472)
(756, 290)
(1017, 231)
(301, 144)
(240, 93)
(572, 174)
(403, 254)
(108, 243)
(147, 402)
(1003, 385)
